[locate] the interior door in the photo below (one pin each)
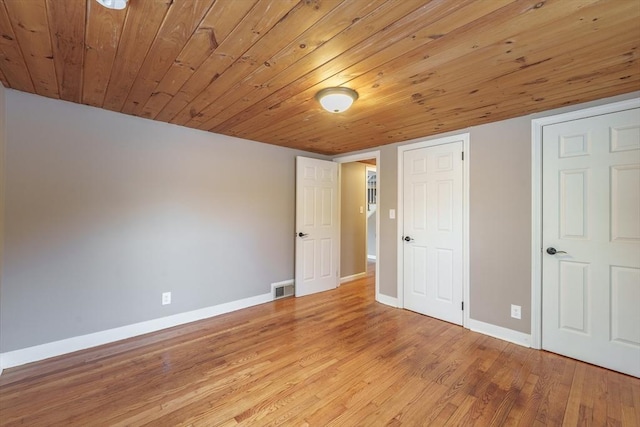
(433, 235)
(591, 240)
(317, 226)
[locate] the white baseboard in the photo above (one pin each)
(387, 300)
(352, 277)
(499, 332)
(44, 351)
(372, 257)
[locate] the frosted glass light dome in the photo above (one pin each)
(336, 99)
(113, 4)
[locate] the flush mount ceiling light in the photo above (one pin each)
(113, 4)
(336, 99)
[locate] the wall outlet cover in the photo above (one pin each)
(166, 298)
(516, 311)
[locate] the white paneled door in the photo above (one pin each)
(433, 234)
(591, 240)
(316, 226)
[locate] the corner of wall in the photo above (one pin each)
(3, 141)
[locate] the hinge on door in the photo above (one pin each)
(463, 155)
(462, 306)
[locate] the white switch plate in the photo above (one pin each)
(166, 298)
(361, 209)
(516, 311)
(392, 214)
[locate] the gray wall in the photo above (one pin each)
(104, 212)
(2, 169)
(353, 197)
(500, 222)
(500, 217)
(388, 198)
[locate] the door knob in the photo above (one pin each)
(301, 234)
(553, 251)
(407, 239)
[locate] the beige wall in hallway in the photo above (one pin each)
(353, 232)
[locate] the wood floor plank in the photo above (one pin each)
(332, 359)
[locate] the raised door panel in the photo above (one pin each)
(573, 297)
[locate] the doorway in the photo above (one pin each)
(358, 211)
(354, 210)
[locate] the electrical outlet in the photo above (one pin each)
(166, 298)
(516, 311)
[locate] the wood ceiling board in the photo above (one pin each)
(258, 21)
(312, 71)
(400, 92)
(418, 57)
(178, 26)
(292, 24)
(484, 100)
(103, 32)
(223, 119)
(31, 27)
(67, 28)
(456, 118)
(421, 67)
(375, 51)
(13, 66)
(140, 28)
(528, 79)
(272, 61)
(221, 19)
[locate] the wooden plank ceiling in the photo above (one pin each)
(251, 68)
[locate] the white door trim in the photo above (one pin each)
(464, 137)
(536, 201)
(356, 158)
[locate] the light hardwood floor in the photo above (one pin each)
(333, 359)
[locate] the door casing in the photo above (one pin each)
(464, 137)
(536, 201)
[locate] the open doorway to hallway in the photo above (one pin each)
(358, 219)
(370, 158)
